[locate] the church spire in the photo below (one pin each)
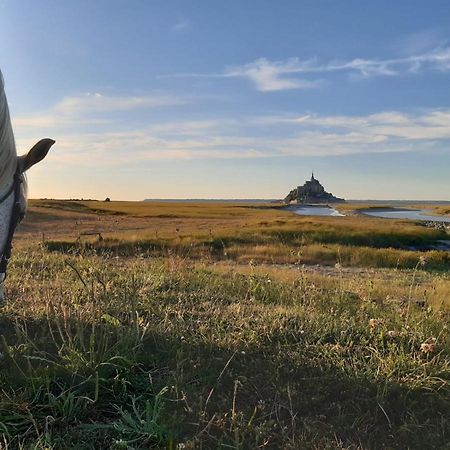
(312, 176)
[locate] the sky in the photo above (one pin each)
(235, 99)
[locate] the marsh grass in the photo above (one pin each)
(242, 232)
(277, 248)
(443, 210)
(349, 207)
(205, 326)
(131, 352)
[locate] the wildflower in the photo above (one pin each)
(392, 333)
(422, 260)
(338, 266)
(429, 346)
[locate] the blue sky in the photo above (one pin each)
(236, 99)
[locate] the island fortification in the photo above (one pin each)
(311, 192)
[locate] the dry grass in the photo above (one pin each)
(382, 286)
(349, 207)
(208, 210)
(143, 353)
(242, 232)
(172, 333)
(442, 210)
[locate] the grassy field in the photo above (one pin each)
(443, 210)
(349, 207)
(262, 233)
(217, 326)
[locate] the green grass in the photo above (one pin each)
(307, 246)
(244, 232)
(162, 209)
(134, 352)
(199, 326)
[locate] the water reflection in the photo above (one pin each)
(308, 210)
(400, 213)
(413, 214)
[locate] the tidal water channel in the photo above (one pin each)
(413, 214)
(391, 213)
(311, 210)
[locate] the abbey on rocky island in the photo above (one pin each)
(311, 192)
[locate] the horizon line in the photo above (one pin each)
(239, 199)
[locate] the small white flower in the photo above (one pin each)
(429, 346)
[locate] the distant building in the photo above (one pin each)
(311, 192)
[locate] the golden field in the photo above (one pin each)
(134, 325)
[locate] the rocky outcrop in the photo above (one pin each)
(311, 192)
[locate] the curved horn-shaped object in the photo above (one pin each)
(36, 154)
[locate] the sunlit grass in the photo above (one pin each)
(442, 210)
(223, 326)
(244, 232)
(105, 352)
(164, 209)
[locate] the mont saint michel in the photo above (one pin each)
(311, 192)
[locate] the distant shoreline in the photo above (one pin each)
(269, 200)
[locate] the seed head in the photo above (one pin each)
(429, 346)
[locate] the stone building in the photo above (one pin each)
(311, 192)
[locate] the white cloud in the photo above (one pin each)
(90, 103)
(364, 67)
(294, 73)
(91, 109)
(272, 76)
(439, 118)
(52, 120)
(86, 134)
(425, 126)
(254, 137)
(185, 128)
(389, 124)
(140, 145)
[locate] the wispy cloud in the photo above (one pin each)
(393, 125)
(294, 73)
(387, 126)
(55, 120)
(245, 137)
(274, 76)
(104, 103)
(181, 25)
(92, 109)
